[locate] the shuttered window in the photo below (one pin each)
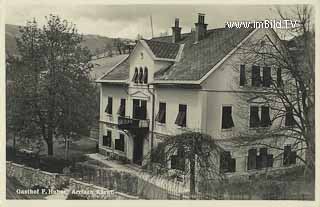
(227, 163)
(289, 157)
(119, 143)
(289, 119)
(265, 116)
(227, 121)
(252, 159)
(106, 139)
(266, 77)
(181, 119)
(279, 77)
(161, 116)
(108, 109)
(243, 79)
(122, 107)
(255, 76)
(254, 117)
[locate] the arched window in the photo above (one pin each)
(135, 75)
(145, 75)
(140, 75)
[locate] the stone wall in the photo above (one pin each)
(30, 177)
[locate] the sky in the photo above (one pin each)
(127, 21)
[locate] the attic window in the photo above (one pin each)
(243, 80)
(135, 75)
(140, 76)
(266, 77)
(145, 75)
(256, 79)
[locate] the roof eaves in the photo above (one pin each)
(115, 66)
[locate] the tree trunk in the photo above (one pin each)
(50, 142)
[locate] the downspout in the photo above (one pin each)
(152, 117)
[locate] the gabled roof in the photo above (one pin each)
(192, 61)
(198, 59)
(163, 49)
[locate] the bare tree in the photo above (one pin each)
(287, 86)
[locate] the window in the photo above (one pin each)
(181, 119)
(145, 75)
(289, 157)
(227, 121)
(109, 106)
(263, 160)
(119, 143)
(266, 77)
(227, 164)
(135, 75)
(106, 139)
(243, 79)
(140, 76)
(252, 159)
(161, 116)
(279, 77)
(256, 79)
(178, 160)
(254, 117)
(122, 108)
(255, 120)
(289, 119)
(265, 116)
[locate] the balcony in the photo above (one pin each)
(131, 123)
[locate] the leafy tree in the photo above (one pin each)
(51, 85)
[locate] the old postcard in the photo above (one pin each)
(160, 101)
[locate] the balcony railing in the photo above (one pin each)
(131, 123)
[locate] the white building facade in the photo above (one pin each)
(191, 82)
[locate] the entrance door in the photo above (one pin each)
(138, 149)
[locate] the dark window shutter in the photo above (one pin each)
(269, 160)
(279, 77)
(122, 108)
(119, 143)
(293, 158)
(255, 76)
(243, 79)
(109, 106)
(265, 116)
(266, 77)
(254, 117)
(286, 155)
(227, 121)
(289, 119)
(263, 157)
(252, 159)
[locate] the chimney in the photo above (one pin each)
(201, 28)
(176, 31)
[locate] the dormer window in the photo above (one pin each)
(145, 75)
(135, 75)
